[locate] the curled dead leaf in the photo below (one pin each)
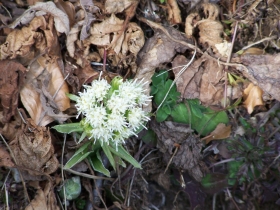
(41, 8)
(188, 156)
(210, 30)
(12, 78)
(33, 149)
(252, 96)
(211, 85)
(221, 132)
(25, 42)
(174, 13)
(5, 158)
(101, 33)
(190, 23)
(44, 95)
(154, 53)
(117, 6)
(262, 70)
(44, 199)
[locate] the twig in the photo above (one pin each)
(260, 41)
(62, 174)
(228, 60)
(86, 175)
(13, 156)
(169, 162)
(230, 197)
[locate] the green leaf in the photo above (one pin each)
(195, 109)
(203, 120)
(209, 121)
(72, 97)
(161, 115)
(83, 136)
(150, 138)
(79, 155)
(154, 90)
(181, 114)
(72, 188)
(227, 21)
(106, 149)
(159, 78)
(122, 153)
(68, 128)
(167, 109)
(97, 164)
(214, 183)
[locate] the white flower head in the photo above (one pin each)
(113, 111)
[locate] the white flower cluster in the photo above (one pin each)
(113, 112)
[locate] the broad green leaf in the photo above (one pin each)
(106, 149)
(159, 78)
(122, 153)
(167, 109)
(162, 92)
(154, 90)
(96, 163)
(72, 97)
(161, 115)
(180, 114)
(68, 128)
(79, 155)
(209, 121)
(195, 109)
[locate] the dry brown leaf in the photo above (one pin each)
(41, 8)
(89, 10)
(190, 24)
(211, 11)
(188, 84)
(12, 78)
(44, 95)
(134, 39)
(188, 156)
(101, 33)
(44, 199)
(252, 96)
(72, 37)
(117, 6)
(262, 70)
(33, 149)
(154, 53)
(221, 132)
(30, 99)
(210, 30)
(174, 13)
(5, 158)
(68, 8)
(39, 202)
(21, 42)
(9, 130)
(211, 86)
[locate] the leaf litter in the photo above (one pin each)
(48, 49)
